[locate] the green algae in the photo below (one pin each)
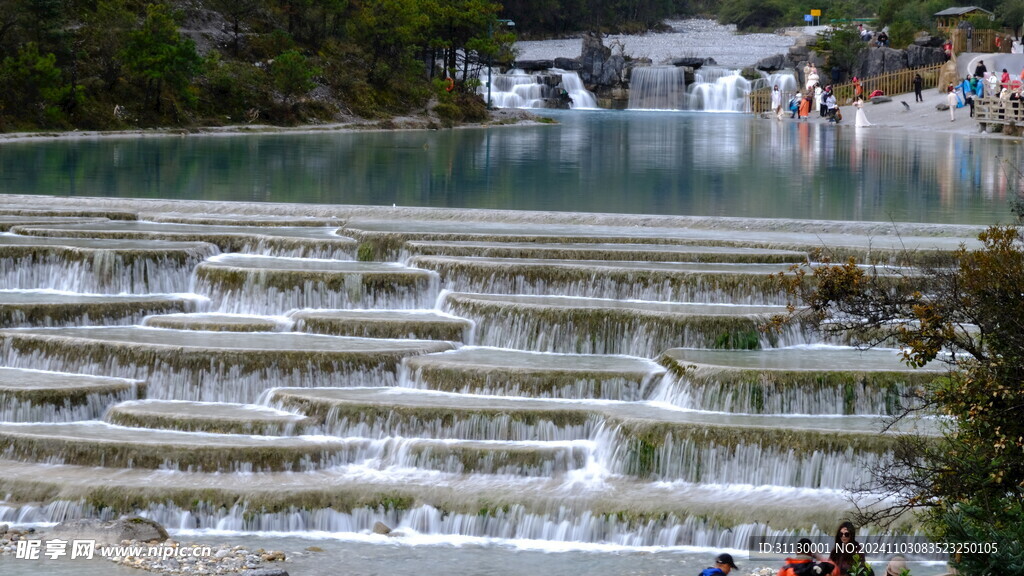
(82, 312)
(606, 280)
(775, 390)
(212, 323)
(186, 419)
(184, 455)
(181, 357)
(616, 252)
(366, 324)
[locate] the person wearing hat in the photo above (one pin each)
(723, 565)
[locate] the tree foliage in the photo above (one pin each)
(965, 309)
(160, 58)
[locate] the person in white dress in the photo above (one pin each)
(777, 103)
(812, 77)
(861, 120)
(952, 101)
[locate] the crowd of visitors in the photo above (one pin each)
(847, 558)
(984, 84)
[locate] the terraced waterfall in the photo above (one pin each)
(470, 375)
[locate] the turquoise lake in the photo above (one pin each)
(592, 161)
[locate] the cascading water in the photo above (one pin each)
(657, 88)
(713, 89)
(519, 89)
(578, 445)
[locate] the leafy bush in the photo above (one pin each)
(901, 34)
(292, 74)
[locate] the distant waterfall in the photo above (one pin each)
(519, 89)
(713, 89)
(657, 88)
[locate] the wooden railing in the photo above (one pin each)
(899, 82)
(980, 40)
(998, 111)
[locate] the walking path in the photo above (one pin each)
(920, 116)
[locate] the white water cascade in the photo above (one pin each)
(713, 90)
(657, 88)
(520, 89)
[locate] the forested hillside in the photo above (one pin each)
(110, 64)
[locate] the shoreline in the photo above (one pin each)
(499, 118)
(921, 116)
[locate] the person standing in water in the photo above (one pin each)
(777, 103)
(862, 120)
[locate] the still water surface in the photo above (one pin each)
(592, 161)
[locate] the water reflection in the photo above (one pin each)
(600, 161)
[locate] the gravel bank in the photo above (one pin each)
(690, 38)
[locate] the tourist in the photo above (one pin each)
(858, 90)
(812, 77)
(883, 39)
(805, 563)
(980, 69)
(777, 102)
(947, 51)
(861, 120)
(831, 106)
(805, 106)
(897, 567)
(918, 85)
(794, 104)
(723, 565)
(846, 548)
(992, 90)
(967, 89)
(819, 101)
(953, 102)
(1004, 80)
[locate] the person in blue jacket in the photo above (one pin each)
(723, 565)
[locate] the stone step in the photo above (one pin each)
(102, 444)
(57, 308)
(335, 500)
(385, 238)
(295, 241)
(212, 322)
(112, 446)
(243, 219)
(416, 324)
(604, 251)
(213, 366)
(41, 211)
(818, 380)
(633, 439)
(656, 281)
(211, 417)
(495, 371)
(99, 265)
(10, 221)
(248, 284)
(602, 326)
(41, 396)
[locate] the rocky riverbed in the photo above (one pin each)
(171, 557)
(686, 38)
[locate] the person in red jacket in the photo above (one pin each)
(805, 563)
